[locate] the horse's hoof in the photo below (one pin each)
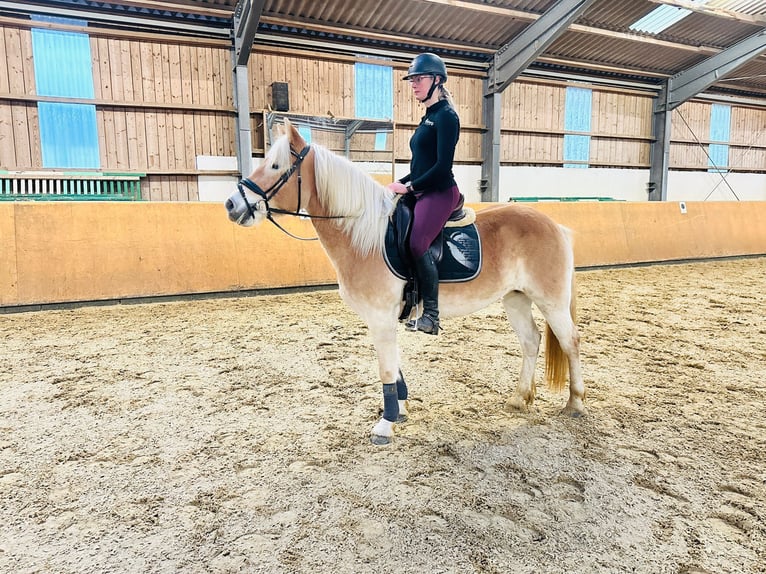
(573, 413)
(574, 408)
(378, 440)
(516, 406)
(401, 419)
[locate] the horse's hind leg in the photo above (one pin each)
(562, 325)
(519, 309)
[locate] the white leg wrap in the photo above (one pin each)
(403, 408)
(383, 428)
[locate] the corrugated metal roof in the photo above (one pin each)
(472, 30)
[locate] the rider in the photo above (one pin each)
(430, 179)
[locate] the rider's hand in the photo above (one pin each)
(397, 187)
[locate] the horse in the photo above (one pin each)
(526, 258)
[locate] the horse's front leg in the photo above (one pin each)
(383, 334)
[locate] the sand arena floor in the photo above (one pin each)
(231, 435)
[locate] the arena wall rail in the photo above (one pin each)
(58, 253)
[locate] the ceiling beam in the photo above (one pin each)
(509, 12)
(179, 6)
(420, 41)
(516, 56)
(247, 15)
(699, 77)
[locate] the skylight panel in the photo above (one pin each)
(661, 18)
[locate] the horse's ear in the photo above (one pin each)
(296, 140)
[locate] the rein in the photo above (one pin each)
(269, 194)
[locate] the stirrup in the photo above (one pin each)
(425, 324)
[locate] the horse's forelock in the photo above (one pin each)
(279, 154)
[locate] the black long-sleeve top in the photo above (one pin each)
(433, 149)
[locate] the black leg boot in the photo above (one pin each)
(428, 284)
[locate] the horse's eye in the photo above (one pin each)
(275, 166)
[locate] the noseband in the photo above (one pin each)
(269, 193)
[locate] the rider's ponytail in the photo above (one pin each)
(446, 95)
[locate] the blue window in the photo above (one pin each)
(374, 91)
(69, 135)
(62, 64)
(381, 139)
(63, 68)
(577, 118)
(720, 131)
(305, 132)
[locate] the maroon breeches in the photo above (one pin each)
(432, 210)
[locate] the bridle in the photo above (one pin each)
(269, 194)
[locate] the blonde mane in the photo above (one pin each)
(345, 190)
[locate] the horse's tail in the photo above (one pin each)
(556, 361)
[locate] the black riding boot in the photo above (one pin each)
(428, 285)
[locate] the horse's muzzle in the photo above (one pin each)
(238, 210)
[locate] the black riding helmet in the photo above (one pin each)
(427, 65)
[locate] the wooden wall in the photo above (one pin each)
(154, 249)
(163, 100)
(160, 102)
(691, 127)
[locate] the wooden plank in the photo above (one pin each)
(165, 191)
(110, 140)
(227, 98)
(214, 95)
(114, 66)
(349, 89)
(136, 65)
(35, 143)
(7, 137)
(159, 73)
(164, 122)
(328, 84)
(136, 130)
(177, 134)
(204, 96)
(22, 139)
(152, 140)
(257, 81)
(165, 158)
(147, 73)
(15, 64)
(190, 73)
(28, 61)
(126, 69)
(190, 140)
(203, 65)
(174, 67)
(227, 78)
(176, 190)
(121, 144)
(102, 89)
(95, 66)
(177, 138)
(193, 189)
(194, 93)
(5, 84)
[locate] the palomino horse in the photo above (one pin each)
(527, 258)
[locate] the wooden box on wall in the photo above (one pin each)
(280, 96)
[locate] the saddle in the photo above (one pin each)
(456, 250)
